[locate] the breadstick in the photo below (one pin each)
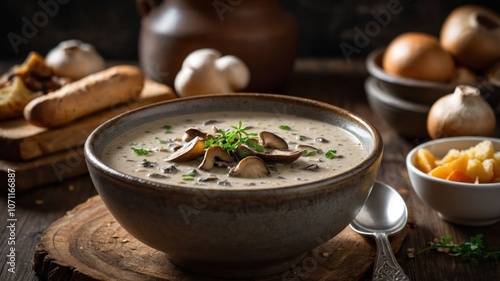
(95, 92)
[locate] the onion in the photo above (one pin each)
(462, 113)
(419, 56)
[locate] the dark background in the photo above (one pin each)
(113, 26)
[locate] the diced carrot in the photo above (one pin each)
(459, 176)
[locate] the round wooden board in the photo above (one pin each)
(88, 244)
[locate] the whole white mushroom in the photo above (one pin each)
(206, 71)
(74, 59)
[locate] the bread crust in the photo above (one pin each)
(104, 89)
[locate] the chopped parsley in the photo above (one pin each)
(273, 168)
(330, 154)
(141, 151)
(160, 140)
(285, 127)
(305, 152)
(189, 176)
(168, 129)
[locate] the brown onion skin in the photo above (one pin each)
(471, 34)
(419, 56)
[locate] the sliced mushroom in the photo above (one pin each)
(190, 151)
(209, 122)
(211, 155)
(157, 176)
(271, 140)
(311, 167)
(147, 164)
(250, 167)
(208, 179)
(243, 151)
(321, 139)
(215, 130)
(170, 169)
(279, 156)
(171, 147)
(192, 133)
(308, 148)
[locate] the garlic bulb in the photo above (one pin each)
(74, 59)
(462, 113)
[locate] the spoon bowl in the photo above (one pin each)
(384, 213)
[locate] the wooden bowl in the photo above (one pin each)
(237, 233)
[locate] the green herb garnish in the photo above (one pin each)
(472, 252)
(189, 176)
(141, 151)
(160, 140)
(167, 129)
(230, 139)
(285, 127)
(330, 154)
(273, 168)
(305, 152)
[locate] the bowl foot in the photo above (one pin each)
(465, 222)
(241, 269)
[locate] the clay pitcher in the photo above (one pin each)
(259, 32)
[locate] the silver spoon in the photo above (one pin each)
(383, 214)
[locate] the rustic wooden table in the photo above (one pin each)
(335, 82)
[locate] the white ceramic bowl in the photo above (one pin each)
(460, 203)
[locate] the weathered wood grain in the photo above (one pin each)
(88, 244)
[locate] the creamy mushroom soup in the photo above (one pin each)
(151, 151)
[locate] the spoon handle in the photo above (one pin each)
(386, 266)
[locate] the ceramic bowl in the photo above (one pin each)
(408, 118)
(239, 233)
(420, 91)
(460, 203)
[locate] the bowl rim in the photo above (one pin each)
(412, 168)
(371, 159)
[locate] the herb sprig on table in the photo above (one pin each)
(472, 252)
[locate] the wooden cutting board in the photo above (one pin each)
(88, 244)
(21, 141)
(40, 156)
